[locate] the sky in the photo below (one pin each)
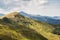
(34, 7)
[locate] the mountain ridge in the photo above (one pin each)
(51, 20)
(24, 28)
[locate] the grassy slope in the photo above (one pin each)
(17, 27)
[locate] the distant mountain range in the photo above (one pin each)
(1, 14)
(48, 19)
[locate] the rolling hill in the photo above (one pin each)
(15, 26)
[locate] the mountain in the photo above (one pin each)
(1, 14)
(15, 26)
(56, 17)
(24, 14)
(48, 19)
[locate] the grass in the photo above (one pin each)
(17, 27)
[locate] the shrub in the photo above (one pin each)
(5, 19)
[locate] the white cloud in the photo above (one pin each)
(16, 0)
(6, 2)
(42, 1)
(3, 11)
(37, 7)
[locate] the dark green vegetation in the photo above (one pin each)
(57, 29)
(17, 27)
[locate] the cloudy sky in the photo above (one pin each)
(34, 7)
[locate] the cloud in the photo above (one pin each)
(3, 11)
(37, 7)
(21, 3)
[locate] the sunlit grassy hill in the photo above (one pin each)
(17, 27)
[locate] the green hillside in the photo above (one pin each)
(17, 27)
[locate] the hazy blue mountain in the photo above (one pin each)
(48, 19)
(24, 14)
(1, 14)
(57, 17)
